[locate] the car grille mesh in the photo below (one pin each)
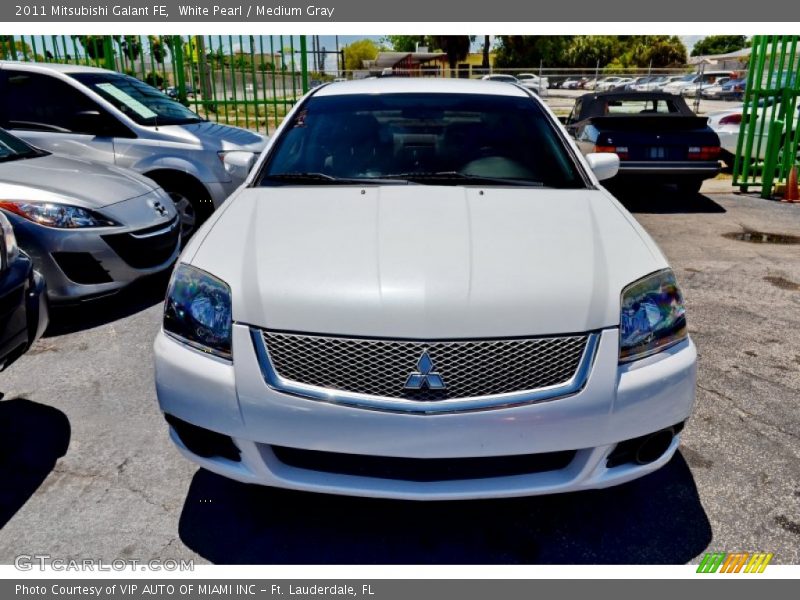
(470, 369)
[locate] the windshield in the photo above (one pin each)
(435, 139)
(12, 148)
(139, 101)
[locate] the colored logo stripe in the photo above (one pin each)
(735, 562)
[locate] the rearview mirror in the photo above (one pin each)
(604, 165)
(239, 163)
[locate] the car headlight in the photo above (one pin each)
(197, 311)
(55, 214)
(652, 316)
(9, 250)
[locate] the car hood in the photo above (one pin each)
(82, 182)
(426, 262)
(215, 136)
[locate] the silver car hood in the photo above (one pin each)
(426, 262)
(74, 180)
(215, 136)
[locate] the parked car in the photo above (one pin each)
(695, 80)
(656, 136)
(500, 77)
(113, 118)
(607, 83)
(528, 82)
(694, 90)
(657, 83)
(172, 91)
(727, 125)
(572, 83)
(635, 85)
(464, 311)
(23, 307)
(622, 84)
(731, 90)
(533, 82)
(90, 228)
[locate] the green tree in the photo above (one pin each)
(658, 50)
(155, 79)
(158, 47)
(356, 53)
(405, 43)
(93, 45)
(529, 50)
(588, 50)
(719, 44)
(455, 46)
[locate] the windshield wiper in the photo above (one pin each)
(456, 177)
(325, 179)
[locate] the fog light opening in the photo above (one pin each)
(654, 446)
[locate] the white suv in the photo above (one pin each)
(422, 292)
(113, 118)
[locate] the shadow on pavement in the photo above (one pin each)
(32, 438)
(664, 201)
(138, 296)
(654, 520)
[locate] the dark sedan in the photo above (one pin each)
(23, 305)
(656, 136)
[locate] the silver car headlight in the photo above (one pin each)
(9, 250)
(652, 316)
(55, 214)
(197, 311)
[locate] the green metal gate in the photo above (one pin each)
(248, 81)
(767, 147)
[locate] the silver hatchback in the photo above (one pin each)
(116, 119)
(90, 228)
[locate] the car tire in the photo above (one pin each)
(690, 186)
(191, 200)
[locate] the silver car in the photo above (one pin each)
(113, 118)
(90, 228)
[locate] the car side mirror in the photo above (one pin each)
(238, 163)
(604, 165)
(89, 121)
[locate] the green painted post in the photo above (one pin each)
(108, 53)
(771, 158)
(303, 63)
(180, 74)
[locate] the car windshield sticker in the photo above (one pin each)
(129, 101)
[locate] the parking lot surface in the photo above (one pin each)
(88, 470)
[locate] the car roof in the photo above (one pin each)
(53, 67)
(410, 85)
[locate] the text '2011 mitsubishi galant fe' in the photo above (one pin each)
(421, 291)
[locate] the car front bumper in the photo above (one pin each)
(92, 262)
(617, 403)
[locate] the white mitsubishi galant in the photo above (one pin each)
(422, 292)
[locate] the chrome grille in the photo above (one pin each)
(470, 369)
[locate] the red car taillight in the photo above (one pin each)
(703, 152)
(621, 151)
(731, 119)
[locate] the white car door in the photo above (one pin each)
(55, 116)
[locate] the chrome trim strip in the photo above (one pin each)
(141, 236)
(403, 405)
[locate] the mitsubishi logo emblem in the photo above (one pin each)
(425, 376)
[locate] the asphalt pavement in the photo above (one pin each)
(88, 470)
